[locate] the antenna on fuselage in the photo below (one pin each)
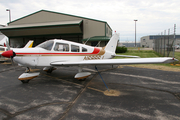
(98, 44)
(87, 40)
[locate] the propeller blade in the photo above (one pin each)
(9, 54)
(12, 62)
(7, 44)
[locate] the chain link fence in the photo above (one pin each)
(165, 45)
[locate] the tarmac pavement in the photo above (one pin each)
(139, 94)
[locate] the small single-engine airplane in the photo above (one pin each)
(54, 53)
(6, 48)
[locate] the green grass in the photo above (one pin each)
(141, 53)
(177, 55)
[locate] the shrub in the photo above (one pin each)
(121, 49)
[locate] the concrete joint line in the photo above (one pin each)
(144, 77)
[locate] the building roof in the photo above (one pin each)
(97, 38)
(63, 27)
(152, 37)
(57, 13)
(47, 24)
(2, 26)
(14, 21)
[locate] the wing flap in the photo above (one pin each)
(117, 61)
(130, 56)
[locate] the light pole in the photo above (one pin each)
(9, 14)
(135, 32)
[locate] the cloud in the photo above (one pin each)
(153, 16)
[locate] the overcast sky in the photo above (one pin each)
(154, 16)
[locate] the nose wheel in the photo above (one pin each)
(26, 71)
(27, 76)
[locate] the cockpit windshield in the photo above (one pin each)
(46, 45)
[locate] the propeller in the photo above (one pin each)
(9, 54)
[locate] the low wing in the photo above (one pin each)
(117, 61)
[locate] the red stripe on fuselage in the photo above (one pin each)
(96, 51)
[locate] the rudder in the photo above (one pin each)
(111, 45)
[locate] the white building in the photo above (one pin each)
(148, 41)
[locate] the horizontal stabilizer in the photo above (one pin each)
(118, 61)
(130, 56)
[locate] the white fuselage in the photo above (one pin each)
(60, 51)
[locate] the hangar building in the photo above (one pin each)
(44, 25)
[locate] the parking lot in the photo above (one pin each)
(138, 93)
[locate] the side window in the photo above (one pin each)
(61, 47)
(74, 48)
(46, 45)
(84, 49)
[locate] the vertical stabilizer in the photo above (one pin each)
(111, 46)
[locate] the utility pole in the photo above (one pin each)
(135, 32)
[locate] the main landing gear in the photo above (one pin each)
(82, 75)
(49, 69)
(27, 76)
(27, 71)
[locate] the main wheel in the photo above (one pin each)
(82, 79)
(25, 81)
(49, 70)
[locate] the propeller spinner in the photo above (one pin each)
(9, 54)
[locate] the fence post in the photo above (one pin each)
(174, 40)
(168, 46)
(164, 42)
(161, 42)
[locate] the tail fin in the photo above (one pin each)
(111, 46)
(29, 44)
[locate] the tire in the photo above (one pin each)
(25, 81)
